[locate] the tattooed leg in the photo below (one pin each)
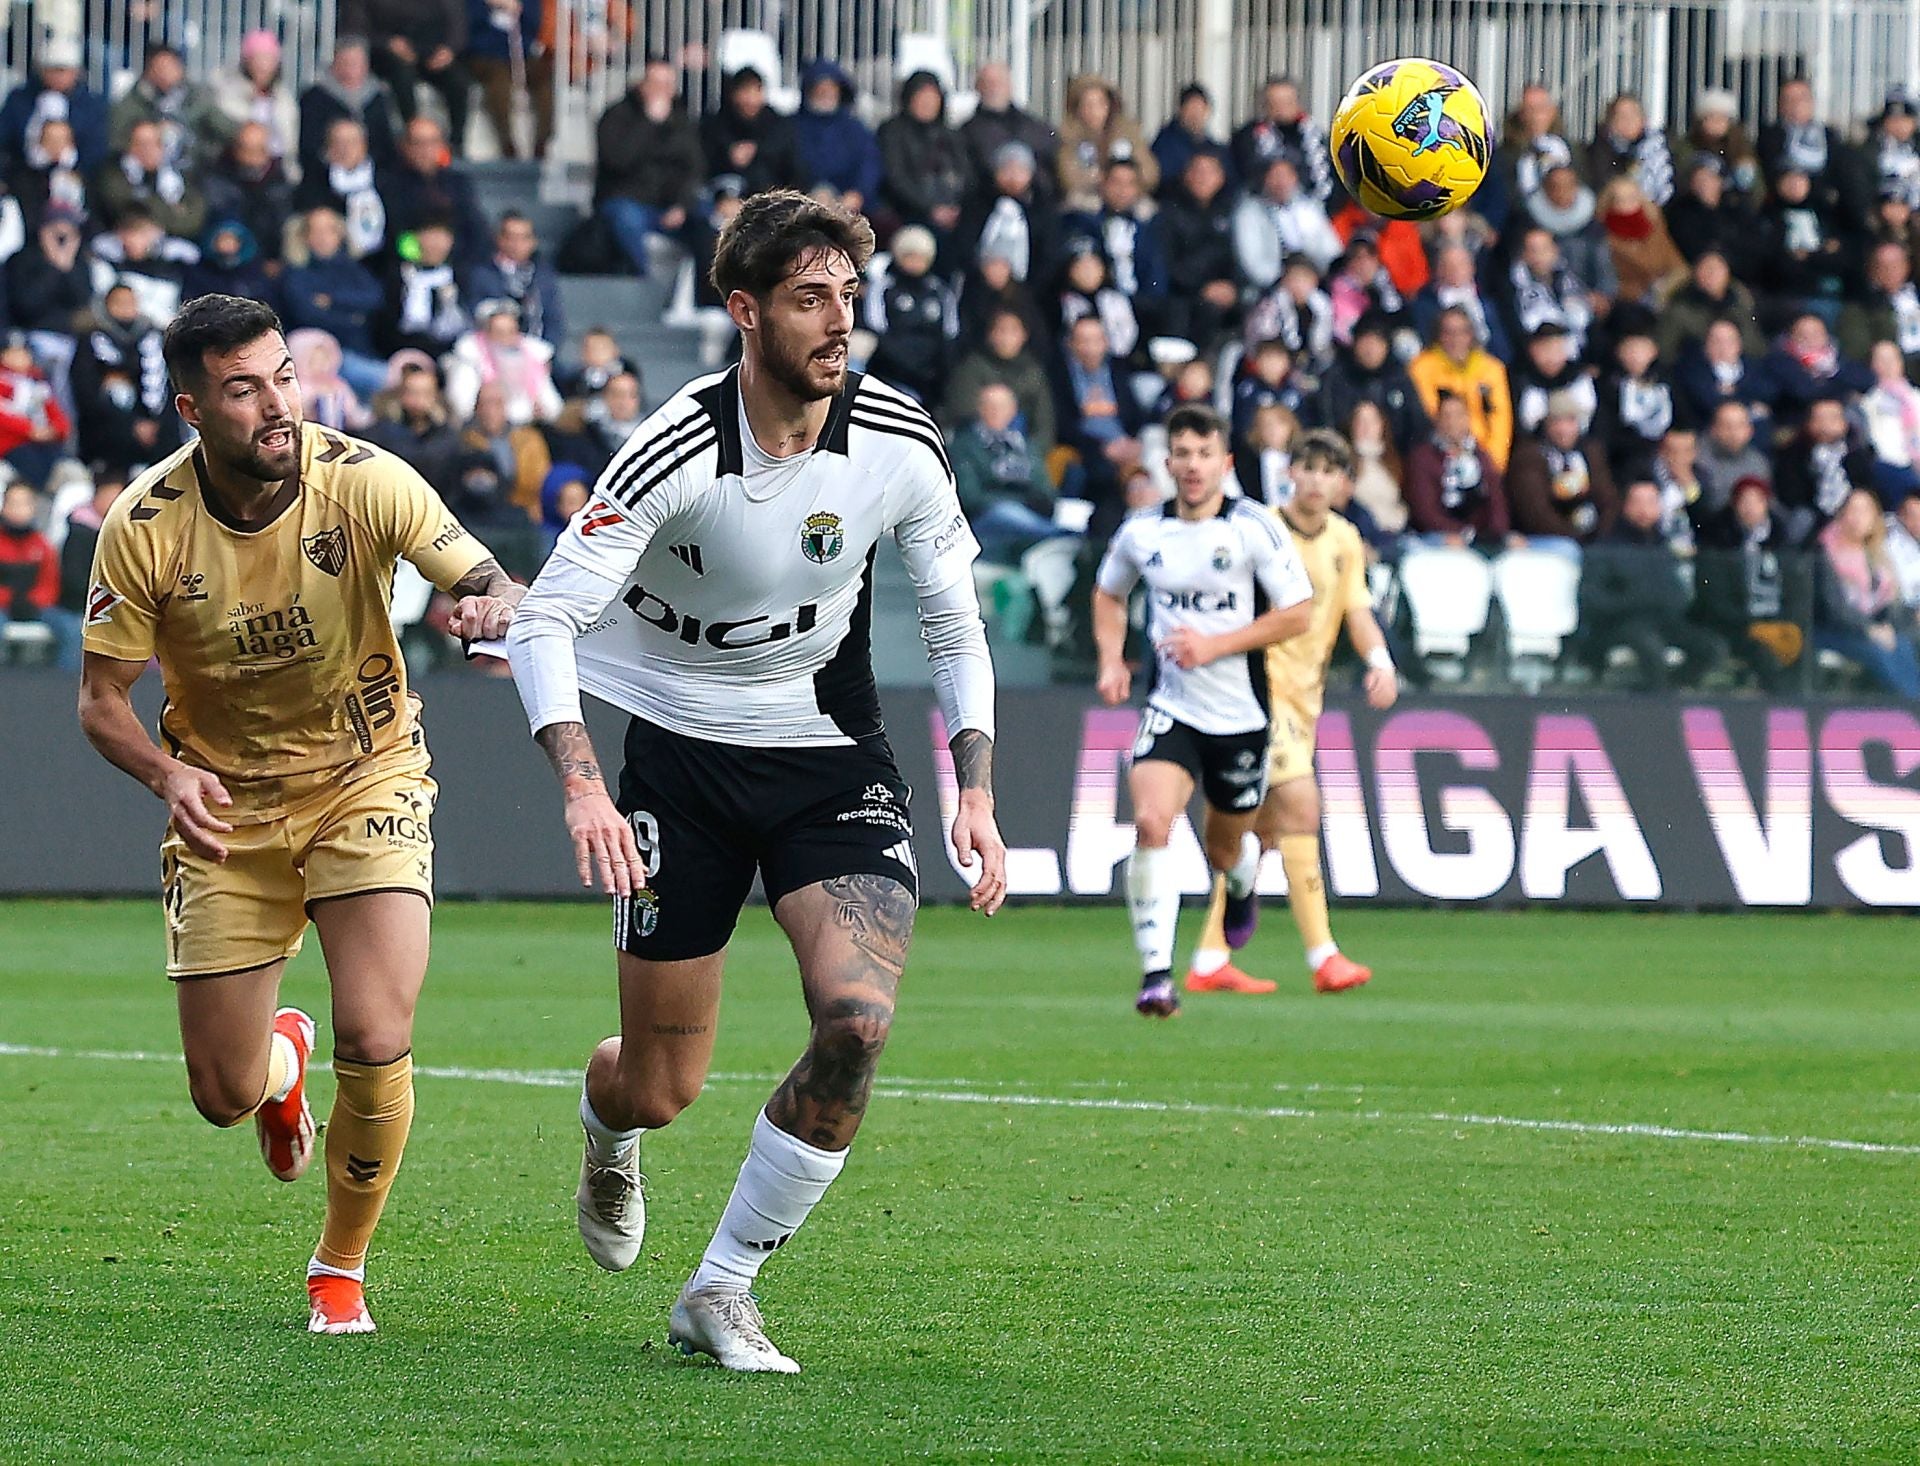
(656, 1067)
(851, 935)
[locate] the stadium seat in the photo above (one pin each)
(27, 641)
(1539, 600)
(1449, 593)
(739, 49)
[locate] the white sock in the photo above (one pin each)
(319, 1269)
(1153, 899)
(780, 1182)
(1319, 954)
(606, 1145)
(1209, 960)
(1247, 870)
(291, 1057)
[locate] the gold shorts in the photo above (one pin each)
(1290, 742)
(371, 835)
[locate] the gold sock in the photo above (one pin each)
(1306, 892)
(372, 1112)
(1211, 952)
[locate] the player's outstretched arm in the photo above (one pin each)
(486, 597)
(1189, 648)
(1382, 682)
(113, 728)
(601, 838)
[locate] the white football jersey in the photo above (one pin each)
(1214, 575)
(738, 587)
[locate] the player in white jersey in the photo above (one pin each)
(719, 586)
(1223, 583)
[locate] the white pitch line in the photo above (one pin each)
(937, 1092)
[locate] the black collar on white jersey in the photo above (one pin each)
(722, 402)
(1172, 509)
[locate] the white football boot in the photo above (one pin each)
(726, 1324)
(612, 1204)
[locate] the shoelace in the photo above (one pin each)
(741, 1314)
(611, 1189)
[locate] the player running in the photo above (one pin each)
(1223, 581)
(1289, 819)
(257, 564)
(719, 585)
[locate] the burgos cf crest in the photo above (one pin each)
(1424, 123)
(327, 550)
(822, 538)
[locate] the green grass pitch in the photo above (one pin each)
(1278, 1227)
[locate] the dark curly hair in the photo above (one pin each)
(776, 232)
(219, 323)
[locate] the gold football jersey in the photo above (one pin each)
(1336, 562)
(281, 667)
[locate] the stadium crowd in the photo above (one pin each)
(1683, 363)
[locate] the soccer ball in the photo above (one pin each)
(1410, 139)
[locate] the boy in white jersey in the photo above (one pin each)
(719, 588)
(1223, 583)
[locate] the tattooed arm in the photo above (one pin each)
(600, 835)
(486, 598)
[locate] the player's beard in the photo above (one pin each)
(800, 371)
(270, 468)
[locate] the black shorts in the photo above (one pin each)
(1230, 768)
(708, 815)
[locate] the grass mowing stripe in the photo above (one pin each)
(935, 1090)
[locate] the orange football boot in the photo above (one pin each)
(339, 1305)
(1338, 973)
(1226, 978)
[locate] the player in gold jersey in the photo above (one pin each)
(1289, 819)
(257, 565)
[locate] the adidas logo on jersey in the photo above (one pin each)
(689, 556)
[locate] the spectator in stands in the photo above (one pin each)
(601, 360)
(326, 398)
(1805, 365)
(50, 174)
(491, 28)
(424, 184)
(33, 425)
(517, 453)
(1729, 455)
(1455, 286)
(247, 183)
(1398, 242)
(1087, 289)
(1454, 365)
(1283, 130)
(745, 136)
(1003, 483)
(1531, 144)
(231, 264)
(1683, 496)
(56, 91)
(564, 492)
(1367, 371)
(1267, 378)
(1454, 492)
(1187, 132)
(1646, 264)
(1003, 357)
(609, 418)
(48, 284)
(1569, 210)
(926, 175)
(1892, 414)
(66, 617)
(516, 272)
(344, 183)
(1806, 259)
(483, 495)
(120, 386)
(1281, 220)
(1263, 455)
(1095, 132)
(413, 423)
(1098, 415)
(648, 164)
(1298, 312)
(497, 352)
(998, 120)
(1718, 135)
(143, 174)
(424, 310)
(1752, 585)
(1893, 222)
(348, 90)
(1859, 612)
(1632, 595)
(1559, 487)
(1377, 472)
(1887, 310)
(139, 253)
(1464, 228)
(1707, 216)
(1196, 224)
(1192, 386)
(1548, 367)
(1009, 217)
(29, 565)
(1540, 290)
(1903, 548)
(838, 155)
(189, 119)
(255, 91)
(990, 288)
(1127, 229)
(1710, 294)
(414, 41)
(1626, 145)
(1358, 286)
(1638, 402)
(335, 293)
(1797, 141)
(1815, 472)
(1893, 154)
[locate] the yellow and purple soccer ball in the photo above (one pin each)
(1410, 139)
